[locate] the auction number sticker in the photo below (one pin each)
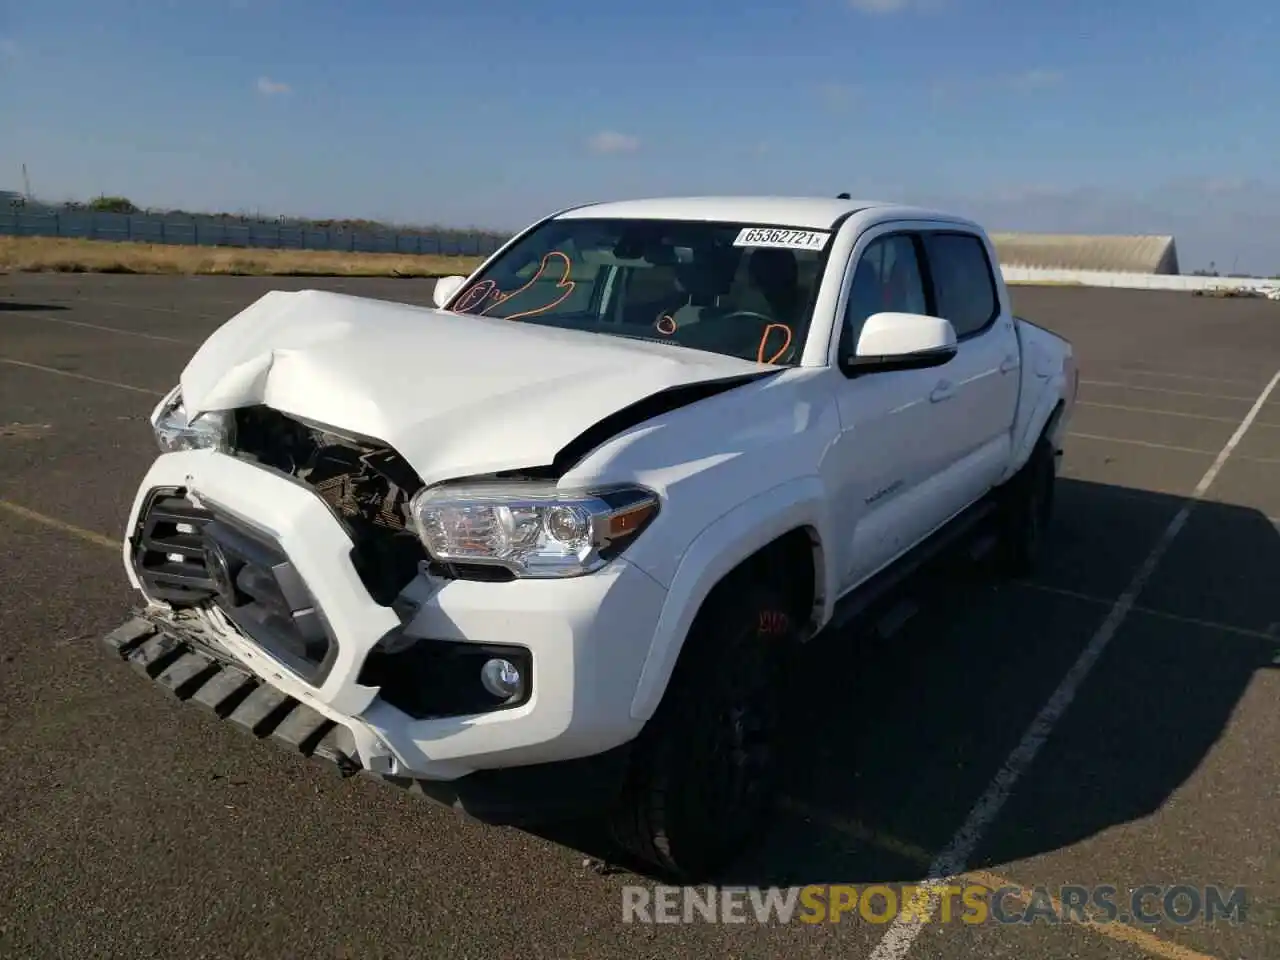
(787, 239)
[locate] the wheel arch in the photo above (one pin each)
(1046, 419)
(783, 535)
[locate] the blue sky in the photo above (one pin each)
(1055, 115)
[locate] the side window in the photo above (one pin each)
(962, 284)
(886, 280)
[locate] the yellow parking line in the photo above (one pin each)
(1148, 943)
(1120, 932)
(80, 532)
(859, 831)
(80, 376)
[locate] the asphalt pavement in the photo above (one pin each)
(1112, 722)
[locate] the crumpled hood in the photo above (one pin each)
(454, 395)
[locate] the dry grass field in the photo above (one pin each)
(68, 255)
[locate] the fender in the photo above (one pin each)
(1048, 369)
(1050, 399)
(716, 550)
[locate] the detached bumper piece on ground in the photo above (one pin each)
(189, 672)
(235, 695)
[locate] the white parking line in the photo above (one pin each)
(1181, 393)
(1188, 376)
(1168, 446)
(41, 318)
(180, 311)
(153, 308)
(81, 376)
(1140, 443)
(1156, 411)
(1150, 611)
(953, 860)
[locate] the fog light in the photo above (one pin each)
(501, 678)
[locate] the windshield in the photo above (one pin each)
(731, 288)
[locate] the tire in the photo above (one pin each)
(702, 777)
(1026, 511)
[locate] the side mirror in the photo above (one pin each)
(902, 341)
(445, 288)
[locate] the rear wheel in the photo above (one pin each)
(702, 781)
(1026, 511)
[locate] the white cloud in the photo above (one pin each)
(949, 89)
(1217, 186)
(272, 88)
(609, 141)
(837, 95)
(879, 6)
(1036, 79)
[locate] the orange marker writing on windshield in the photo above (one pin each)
(564, 283)
(764, 342)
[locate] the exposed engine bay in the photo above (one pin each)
(368, 487)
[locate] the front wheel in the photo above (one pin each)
(702, 777)
(1026, 510)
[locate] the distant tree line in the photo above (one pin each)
(123, 205)
(1212, 271)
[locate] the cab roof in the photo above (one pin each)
(813, 213)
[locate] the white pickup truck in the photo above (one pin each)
(541, 551)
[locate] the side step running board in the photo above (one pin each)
(878, 589)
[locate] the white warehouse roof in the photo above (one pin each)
(1128, 254)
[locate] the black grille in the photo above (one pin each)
(241, 570)
(168, 550)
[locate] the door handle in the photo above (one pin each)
(945, 390)
(1009, 363)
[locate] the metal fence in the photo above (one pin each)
(233, 232)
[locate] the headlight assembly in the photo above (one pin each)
(209, 431)
(533, 529)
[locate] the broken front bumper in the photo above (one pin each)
(178, 659)
(586, 638)
(183, 666)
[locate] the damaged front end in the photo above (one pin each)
(345, 551)
(219, 569)
(188, 551)
(189, 555)
(292, 594)
(366, 484)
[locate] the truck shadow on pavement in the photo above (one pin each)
(891, 740)
(13, 306)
